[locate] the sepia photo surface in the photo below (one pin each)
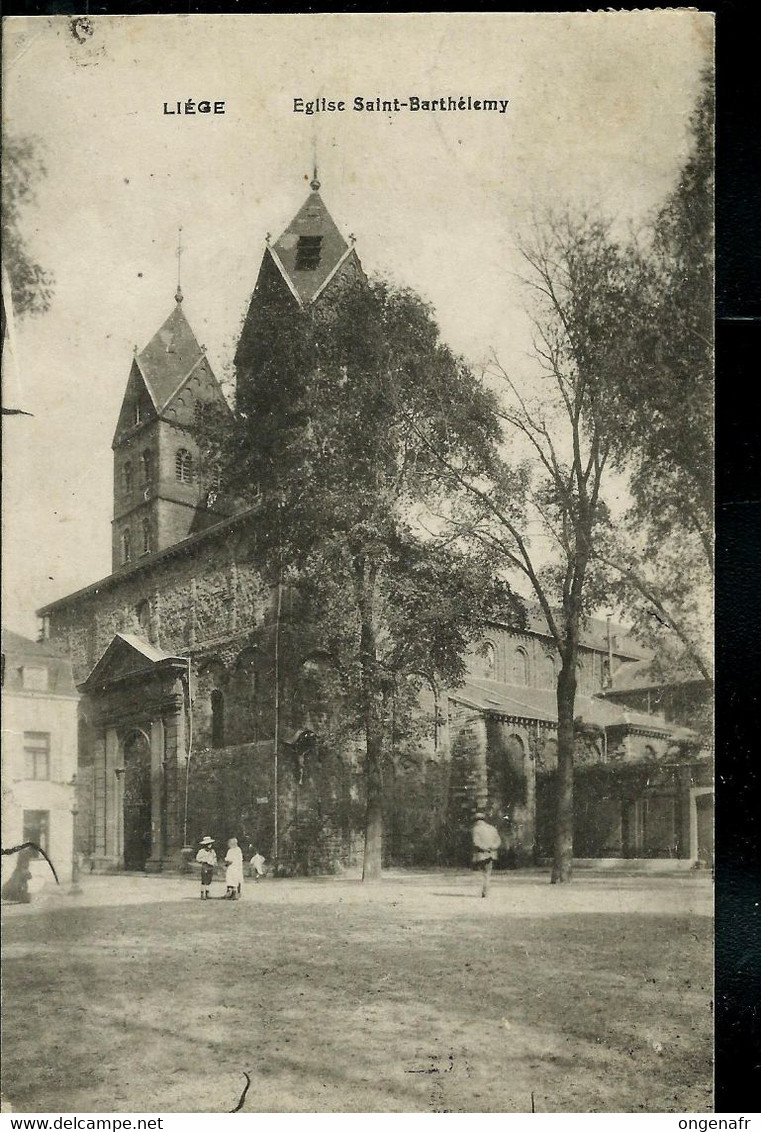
(357, 559)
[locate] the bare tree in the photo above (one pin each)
(540, 511)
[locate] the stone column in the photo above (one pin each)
(157, 792)
(99, 798)
(113, 817)
(175, 751)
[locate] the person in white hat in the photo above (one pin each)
(207, 859)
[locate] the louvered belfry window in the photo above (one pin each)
(308, 253)
(183, 466)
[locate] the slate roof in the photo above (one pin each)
(136, 644)
(494, 697)
(19, 651)
(150, 652)
(328, 248)
(169, 357)
(13, 644)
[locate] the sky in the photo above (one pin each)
(597, 117)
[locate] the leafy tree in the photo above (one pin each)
(31, 284)
(330, 405)
(663, 439)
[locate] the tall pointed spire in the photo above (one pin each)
(315, 182)
(178, 292)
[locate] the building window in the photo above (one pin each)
(183, 466)
(127, 478)
(520, 666)
(138, 416)
(126, 546)
(34, 678)
(489, 661)
(37, 755)
(217, 719)
(143, 615)
(146, 525)
(550, 673)
(145, 467)
(37, 828)
(308, 253)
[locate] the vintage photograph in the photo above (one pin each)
(357, 563)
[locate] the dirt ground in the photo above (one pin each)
(413, 995)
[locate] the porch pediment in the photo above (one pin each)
(128, 656)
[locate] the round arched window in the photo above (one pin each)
(520, 666)
(127, 477)
(126, 545)
(145, 467)
(183, 466)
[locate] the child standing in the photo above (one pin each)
(207, 859)
(257, 864)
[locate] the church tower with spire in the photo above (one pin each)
(162, 490)
(301, 269)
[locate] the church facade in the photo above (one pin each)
(204, 709)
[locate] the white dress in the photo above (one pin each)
(234, 871)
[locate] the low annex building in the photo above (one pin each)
(175, 661)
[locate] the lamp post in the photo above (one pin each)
(75, 889)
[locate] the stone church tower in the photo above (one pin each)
(162, 491)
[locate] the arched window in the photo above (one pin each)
(127, 477)
(143, 615)
(126, 545)
(520, 666)
(138, 416)
(183, 466)
(581, 677)
(145, 467)
(146, 535)
(490, 661)
(550, 671)
(217, 719)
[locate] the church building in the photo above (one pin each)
(203, 705)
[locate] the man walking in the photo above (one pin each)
(486, 843)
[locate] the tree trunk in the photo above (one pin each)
(373, 856)
(373, 860)
(563, 860)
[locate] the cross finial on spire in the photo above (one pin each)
(178, 292)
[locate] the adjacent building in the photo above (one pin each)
(39, 751)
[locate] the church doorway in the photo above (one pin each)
(137, 800)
